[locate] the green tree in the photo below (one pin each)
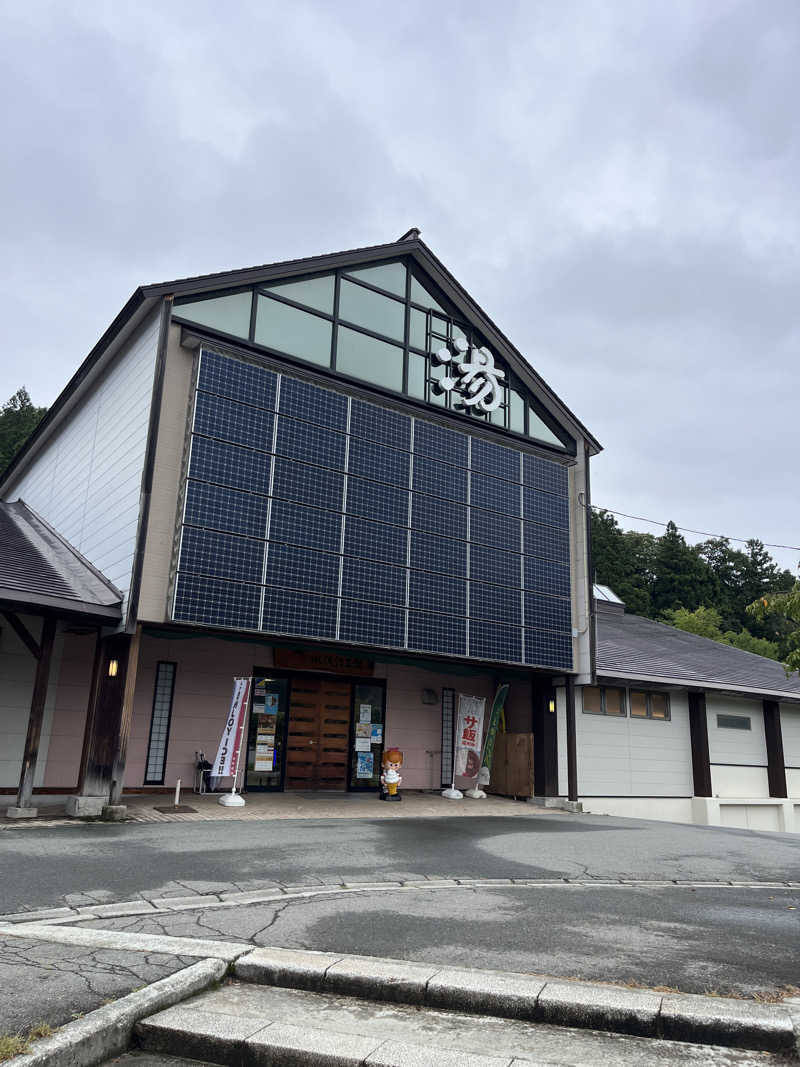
(681, 579)
(618, 564)
(784, 606)
(707, 622)
(18, 419)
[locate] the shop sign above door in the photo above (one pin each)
(475, 378)
(306, 659)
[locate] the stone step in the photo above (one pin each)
(244, 1025)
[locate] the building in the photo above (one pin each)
(682, 728)
(334, 474)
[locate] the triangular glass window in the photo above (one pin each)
(388, 276)
(419, 295)
(314, 292)
(229, 314)
(539, 429)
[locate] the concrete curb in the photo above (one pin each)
(642, 1013)
(227, 951)
(231, 899)
(107, 1031)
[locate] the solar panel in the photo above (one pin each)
(307, 485)
(309, 402)
(547, 612)
(491, 528)
(493, 565)
(440, 479)
(437, 442)
(216, 416)
(498, 602)
(375, 540)
(371, 460)
(438, 516)
(221, 555)
(495, 495)
(432, 592)
(366, 580)
(289, 612)
(236, 379)
(545, 576)
(491, 640)
(224, 464)
(445, 634)
(547, 542)
(220, 508)
(379, 424)
(546, 508)
(373, 500)
(216, 602)
(319, 534)
(298, 525)
(371, 624)
(314, 444)
(545, 649)
(498, 460)
(545, 475)
(302, 568)
(442, 554)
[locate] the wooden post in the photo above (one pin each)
(36, 718)
(698, 733)
(776, 767)
(572, 748)
(126, 717)
(103, 716)
(545, 738)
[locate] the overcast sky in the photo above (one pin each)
(615, 182)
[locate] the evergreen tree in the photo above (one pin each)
(681, 578)
(18, 419)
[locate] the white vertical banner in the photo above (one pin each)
(227, 762)
(469, 735)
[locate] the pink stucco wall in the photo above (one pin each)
(206, 668)
(69, 712)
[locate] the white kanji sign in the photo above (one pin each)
(479, 382)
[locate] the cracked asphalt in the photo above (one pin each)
(695, 939)
(46, 983)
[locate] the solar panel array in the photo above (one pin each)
(311, 513)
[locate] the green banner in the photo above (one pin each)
(494, 723)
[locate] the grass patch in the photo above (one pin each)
(15, 1044)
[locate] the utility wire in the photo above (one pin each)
(685, 529)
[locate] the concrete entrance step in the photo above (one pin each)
(244, 1025)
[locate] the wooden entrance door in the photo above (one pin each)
(319, 733)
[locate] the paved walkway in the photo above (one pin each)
(299, 805)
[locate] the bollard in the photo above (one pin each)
(177, 792)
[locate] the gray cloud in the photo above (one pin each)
(616, 184)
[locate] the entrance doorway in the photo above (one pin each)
(318, 736)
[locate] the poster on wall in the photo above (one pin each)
(363, 729)
(364, 764)
(362, 744)
(469, 735)
(365, 713)
(376, 733)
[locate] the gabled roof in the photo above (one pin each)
(637, 649)
(146, 298)
(41, 572)
(409, 245)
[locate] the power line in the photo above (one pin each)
(686, 529)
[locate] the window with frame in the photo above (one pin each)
(603, 700)
(733, 722)
(649, 704)
(160, 723)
